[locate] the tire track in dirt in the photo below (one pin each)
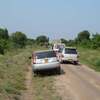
(76, 84)
(28, 94)
(62, 85)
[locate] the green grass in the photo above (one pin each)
(13, 66)
(90, 57)
(44, 88)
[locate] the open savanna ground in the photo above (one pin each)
(15, 65)
(90, 57)
(13, 69)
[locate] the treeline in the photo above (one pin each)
(84, 39)
(13, 41)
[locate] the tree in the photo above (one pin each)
(4, 34)
(19, 39)
(96, 41)
(3, 46)
(68, 42)
(3, 40)
(42, 40)
(64, 41)
(30, 41)
(84, 35)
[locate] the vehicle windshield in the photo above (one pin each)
(57, 46)
(47, 54)
(60, 46)
(61, 49)
(70, 51)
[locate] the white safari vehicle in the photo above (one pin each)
(68, 54)
(45, 60)
(58, 46)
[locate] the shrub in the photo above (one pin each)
(97, 64)
(19, 39)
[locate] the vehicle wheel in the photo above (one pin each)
(35, 73)
(75, 62)
(58, 70)
(61, 61)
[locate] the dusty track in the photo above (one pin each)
(78, 83)
(28, 94)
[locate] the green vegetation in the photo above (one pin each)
(13, 67)
(85, 40)
(90, 57)
(83, 36)
(42, 40)
(3, 40)
(16, 50)
(43, 88)
(19, 40)
(89, 48)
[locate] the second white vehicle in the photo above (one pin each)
(68, 54)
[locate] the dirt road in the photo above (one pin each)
(28, 94)
(78, 83)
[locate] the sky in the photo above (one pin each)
(54, 18)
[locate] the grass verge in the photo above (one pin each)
(44, 88)
(90, 57)
(13, 66)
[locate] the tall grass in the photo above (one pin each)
(13, 67)
(44, 88)
(90, 57)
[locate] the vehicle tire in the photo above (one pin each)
(75, 62)
(35, 73)
(58, 70)
(61, 62)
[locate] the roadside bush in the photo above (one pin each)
(4, 34)
(96, 41)
(3, 46)
(42, 40)
(19, 39)
(83, 36)
(1, 50)
(30, 42)
(97, 64)
(9, 88)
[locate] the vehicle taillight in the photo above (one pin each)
(34, 60)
